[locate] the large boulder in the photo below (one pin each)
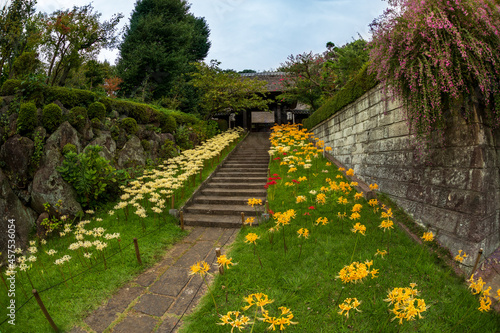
(16, 153)
(12, 209)
(64, 134)
(132, 154)
(49, 187)
(107, 143)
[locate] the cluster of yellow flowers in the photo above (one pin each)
(283, 218)
(406, 305)
(200, 268)
(251, 238)
(224, 261)
(349, 304)
(238, 321)
(253, 201)
(357, 271)
(260, 300)
(303, 232)
(460, 257)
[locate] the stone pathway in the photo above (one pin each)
(157, 300)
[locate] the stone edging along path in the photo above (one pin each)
(157, 300)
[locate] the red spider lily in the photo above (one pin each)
(271, 212)
(307, 213)
(312, 207)
(275, 174)
(272, 183)
(295, 181)
(277, 158)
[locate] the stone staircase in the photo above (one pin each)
(224, 196)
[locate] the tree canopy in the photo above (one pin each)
(313, 78)
(227, 91)
(159, 43)
(71, 36)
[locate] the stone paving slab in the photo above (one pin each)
(154, 305)
(196, 253)
(136, 324)
(106, 314)
(158, 299)
(171, 282)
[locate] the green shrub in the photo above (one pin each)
(70, 97)
(96, 123)
(182, 137)
(222, 125)
(91, 175)
(167, 123)
(129, 125)
(10, 87)
(38, 151)
(168, 150)
(69, 148)
(353, 90)
(51, 117)
(27, 119)
(107, 102)
(97, 110)
(78, 117)
(146, 145)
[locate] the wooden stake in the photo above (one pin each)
(477, 262)
(181, 214)
(173, 200)
(221, 268)
(242, 218)
(137, 254)
(44, 310)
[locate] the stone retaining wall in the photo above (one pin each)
(455, 192)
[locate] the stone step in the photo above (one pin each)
(251, 155)
(216, 221)
(239, 178)
(224, 209)
(234, 169)
(235, 192)
(248, 186)
(225, 200)
(244, 165)
(248, 173)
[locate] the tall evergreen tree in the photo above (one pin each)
(158, 45)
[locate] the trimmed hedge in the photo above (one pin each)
(129, 125)
(353, 90)
(97, 110)
(70, 97)
(9, 87)
(51, 117)
(27, 119)
(167, 123)
(77, 117)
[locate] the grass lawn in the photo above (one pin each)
(304, 279)
(70, 291)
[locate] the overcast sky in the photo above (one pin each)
(258, 34)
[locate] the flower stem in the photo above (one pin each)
(355, 244)
(210, 291)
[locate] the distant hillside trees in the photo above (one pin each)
(312, 78)
(162, 39)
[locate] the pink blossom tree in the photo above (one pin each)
(432, 54)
